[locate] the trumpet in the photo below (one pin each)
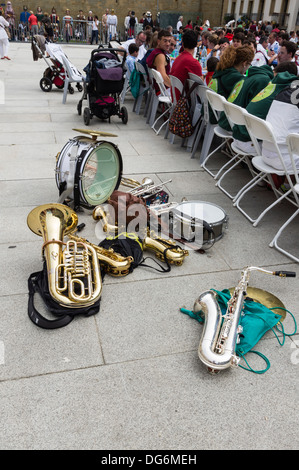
(146, 187)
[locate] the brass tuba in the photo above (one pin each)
(73, 270)
(221, 333)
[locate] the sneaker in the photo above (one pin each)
(284, 188)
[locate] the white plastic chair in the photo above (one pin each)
(126, 87)
(72, 75)
(176, 84)
(293, 147)
(143, 89)
(216, 103)
(162, 98)
(235, 115)
(260, 129)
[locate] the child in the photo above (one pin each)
(211, 67)
(132, 57)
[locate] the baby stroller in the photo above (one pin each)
(103, 85)
(54, 73)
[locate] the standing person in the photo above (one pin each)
(105, 26)
(89, 26)
(148, 21)
(185, 62)
(10, 17)
(32, 20)
(68, 25)
(95, 30)
(80, 26)
(179, 23)
(4, 43)
(55, 23)
(126, 24)
(132, 23)
(46, 21)
(39, 15)
(112, 25)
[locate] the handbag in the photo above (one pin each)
(7, 30)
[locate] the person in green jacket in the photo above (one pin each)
(246, 89)
(231, 68)
(284, 74)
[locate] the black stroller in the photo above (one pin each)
(103, 85)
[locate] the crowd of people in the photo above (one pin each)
(256, 67)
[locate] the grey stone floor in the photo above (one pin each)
(129, 377)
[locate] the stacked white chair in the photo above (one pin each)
(196, 107)
(293, 147)
(259, 129)
(205, 129)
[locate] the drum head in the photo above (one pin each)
(96, 166)
(200, 210)
(100, 173)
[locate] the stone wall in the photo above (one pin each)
(191, 9)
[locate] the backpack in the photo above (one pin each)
(180, 122)
(135, 83)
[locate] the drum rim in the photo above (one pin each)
(97, 144)
(225, 218)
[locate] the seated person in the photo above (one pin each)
(211, 67)
(283, 115)
(140, 41)
(261, 56)
(132, 57)
(284, 75)
(238, 39)
(185, 62)
(247, 88)
(230, 69)
(159, 59)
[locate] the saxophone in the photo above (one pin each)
(221, 333)
(174, 253)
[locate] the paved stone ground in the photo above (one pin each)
(129, 377)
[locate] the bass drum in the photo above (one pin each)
(88, 171)
(198, 222)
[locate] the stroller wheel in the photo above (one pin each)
(124, 114)
(71, 90)
(45, 84)
(86, 116)
(79, 87)
(79, 108)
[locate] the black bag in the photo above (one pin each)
(38, 283)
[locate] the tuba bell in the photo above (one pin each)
(73, 270)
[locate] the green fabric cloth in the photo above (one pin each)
(222, 82)
(246, 89)
(260, 104)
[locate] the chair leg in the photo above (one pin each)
(154, 112)
(274, 242)
(65, 89)
(218, 184)
(197, 138)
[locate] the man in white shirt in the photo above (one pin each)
(261, 56)
(179, 23)
(139, 41)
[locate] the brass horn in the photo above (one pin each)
(73, 269)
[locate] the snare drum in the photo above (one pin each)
(198, 222)
(88, 171)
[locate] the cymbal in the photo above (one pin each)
(95, 134)
(265, 298)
